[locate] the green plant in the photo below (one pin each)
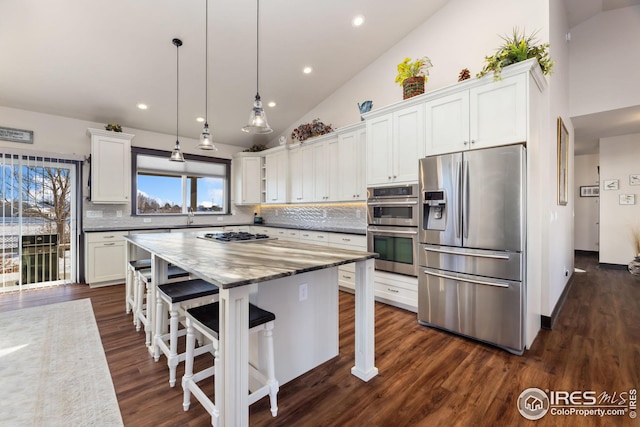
(516, 48)
(418, 68)
(255, 148)
(114, 127)
(307, 130)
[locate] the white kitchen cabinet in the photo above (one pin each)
(321, 161)
(332, 170)
(105, 258)
(301, 173)
(395, 142)
(286, 234)
(347, 272)
(276, 175)
(397, 290)
(351, 185)
(247, 171)
(487, 115)
(110, 166)
(315, 237)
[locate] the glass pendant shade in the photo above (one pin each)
(257, 119)
(176, 154)
(205, 139)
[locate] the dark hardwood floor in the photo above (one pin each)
(427, 377)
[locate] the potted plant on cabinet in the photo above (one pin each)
(516, 48)
(412, 75)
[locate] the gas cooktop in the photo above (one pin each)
(233, 236)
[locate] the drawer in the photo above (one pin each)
(397, 294)
(317, 237)
(256, 229)
(115, 236)
(353, 241)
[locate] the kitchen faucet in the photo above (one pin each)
(189, 216)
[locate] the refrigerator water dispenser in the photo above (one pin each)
(435, 212)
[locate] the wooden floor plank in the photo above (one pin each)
(427, 377)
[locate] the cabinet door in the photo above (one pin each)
(498, 112)
(301, 174)
(447, 124)
(348, 161)
(295, 175)
(110, 169)
(360, 169)
(408, 143)
(250, 177)
(276, 177)
(333, 166)
(379, 150)
(105, 262)
(320, 178)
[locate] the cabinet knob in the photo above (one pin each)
(389, 177)
(394, 177)
(466, 142)
(473, 141)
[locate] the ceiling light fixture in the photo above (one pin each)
(205, 138)
(271, 104)
(357, 21)
(176, 154)
(307, 70)
(200, 119)
(142, 106)
(257, 118)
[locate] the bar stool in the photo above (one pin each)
(130, 288)
(143, 313)
(205, 319)
(175, 298)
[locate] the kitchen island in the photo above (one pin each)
(265, 266)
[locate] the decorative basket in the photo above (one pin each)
(412, 86)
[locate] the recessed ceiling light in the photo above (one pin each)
(143, 106)
(271, 104)
(307, 70)
(200, 119)
(357, 21)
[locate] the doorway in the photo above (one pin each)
(38, 238)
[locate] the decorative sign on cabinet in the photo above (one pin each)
(110, 166)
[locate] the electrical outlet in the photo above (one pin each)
(324, 213)
(146, 220)
(119, 214)
(303, 292)
(276, 212)
(358, 214)
(220, 218)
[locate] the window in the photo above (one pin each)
(160, 187)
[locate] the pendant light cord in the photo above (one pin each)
(206, 65)
(257, 47)
(177, 87)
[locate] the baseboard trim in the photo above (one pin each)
(612, 266)
(581, 252)
(547, 322)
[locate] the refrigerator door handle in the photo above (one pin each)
(465, 199)
(458, 199)
(444, 251)
(474, 281)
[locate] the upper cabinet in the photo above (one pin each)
(301, 168)
(110, 166)
(276, 175)
(247, 172)
(350, 159)
(483, 116)
(395, 142)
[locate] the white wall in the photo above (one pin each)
(605, 62)
(458, 36)
(63, 135)
(587, 209)
(619, 157)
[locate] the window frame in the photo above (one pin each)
(135, 151)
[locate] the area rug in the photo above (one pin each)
(53, 371)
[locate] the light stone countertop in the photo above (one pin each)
(228, 265)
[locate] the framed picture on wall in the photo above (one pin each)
(627, 199)
(589, 191)
(634, 179)
(563, 163)
(610, 184)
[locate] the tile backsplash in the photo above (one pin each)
(338, 216)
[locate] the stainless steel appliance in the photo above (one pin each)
(393, 218)
(472, 244)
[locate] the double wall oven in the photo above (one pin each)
(392, 231)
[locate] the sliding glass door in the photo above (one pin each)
(38, 243)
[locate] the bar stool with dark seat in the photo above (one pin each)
(130, 293)
(205, 319)
(175, 298)
(144, 313)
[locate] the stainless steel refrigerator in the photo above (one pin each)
(472, 244)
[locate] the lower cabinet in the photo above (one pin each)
(397, 289)
(105, 258)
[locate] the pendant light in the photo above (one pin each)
(257, 118)
(176, 154)
(205, 138)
